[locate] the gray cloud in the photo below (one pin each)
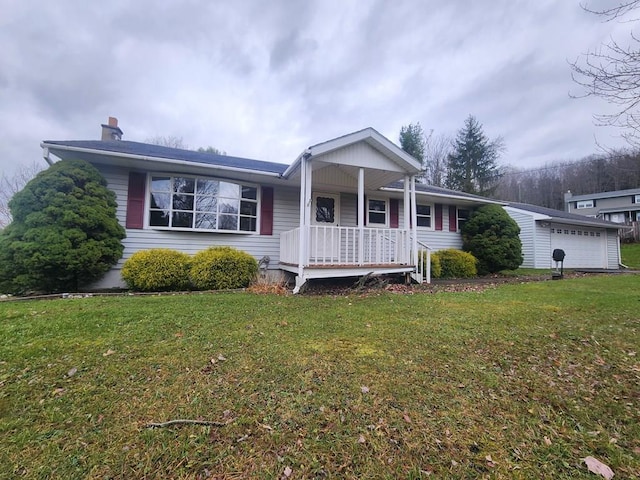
(266, 79)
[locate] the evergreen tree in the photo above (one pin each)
(472, 166)
(64, 232)
(413, 141)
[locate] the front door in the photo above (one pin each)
(325, 237)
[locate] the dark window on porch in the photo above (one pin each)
(377, 212)
(325, 210)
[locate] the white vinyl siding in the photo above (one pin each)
(528, 230)
(285, 217)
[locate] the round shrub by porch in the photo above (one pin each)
(218, 268)
(157, 270)
(456, 263)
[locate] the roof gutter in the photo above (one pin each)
(49, 146)
(445, 195)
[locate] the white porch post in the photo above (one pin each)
(305, 205)
(361, 214)
(407, 218)
(414, 221)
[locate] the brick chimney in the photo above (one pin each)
(111, 131)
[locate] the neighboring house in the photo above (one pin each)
(342, 208)
(587, 242)
(620, 206)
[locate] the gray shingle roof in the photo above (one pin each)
(561, 215)
(158, 151)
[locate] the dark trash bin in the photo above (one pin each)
(558, 257)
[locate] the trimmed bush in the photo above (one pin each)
(455, 263)
(157, 270)
(493, 237)
(218, 268)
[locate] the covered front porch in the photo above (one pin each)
(346, 224)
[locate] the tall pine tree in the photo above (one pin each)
(473, 164)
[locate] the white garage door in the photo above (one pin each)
(584, 247)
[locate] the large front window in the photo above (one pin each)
(201, 203)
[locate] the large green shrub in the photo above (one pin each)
(455, 263)
(492, 236)
(157, 270)
(219, 268)
(64, 232)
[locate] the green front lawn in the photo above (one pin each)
(630, 253)
(519, 381)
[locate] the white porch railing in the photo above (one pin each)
(328, 245)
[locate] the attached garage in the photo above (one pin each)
(584, 247)
(587, 242)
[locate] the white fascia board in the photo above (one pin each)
(52, 148)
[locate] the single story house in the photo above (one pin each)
(587, 242)
(345, 207)
(619, 206)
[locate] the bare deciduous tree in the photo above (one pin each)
(613, 73)
(12, 184)
(168, 141)
(437, 150)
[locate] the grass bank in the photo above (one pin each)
(520, 381)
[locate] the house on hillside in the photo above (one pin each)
(587, 242)
(620, 206)
(348, 206)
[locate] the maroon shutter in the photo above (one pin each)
(438, 209)
(453, 218)
(394, 209)
(135, 200)
(266, 211)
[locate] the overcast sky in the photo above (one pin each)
(265, 79)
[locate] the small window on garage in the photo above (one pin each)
(553, 230)
(597, 234)
(573, 232)
(592, 234)
(566, 232)
(580, 232)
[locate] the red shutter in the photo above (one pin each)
(266, 211)
(135, 200)
(394, 209)
(453, 218)
(438, 209)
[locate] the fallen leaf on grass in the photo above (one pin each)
(407, 418)
(361, 439)
(287, 472)
(72, 372)
(364, 389)
(178, 334)
(547, 440)
(596, 466)
(108, 352)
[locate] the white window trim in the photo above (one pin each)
(386, 212)
(584, 204)
(147, 206)
(431, 216)
(468, 210)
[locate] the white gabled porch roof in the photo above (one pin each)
(337, 161)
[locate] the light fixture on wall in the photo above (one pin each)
(544, 224)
